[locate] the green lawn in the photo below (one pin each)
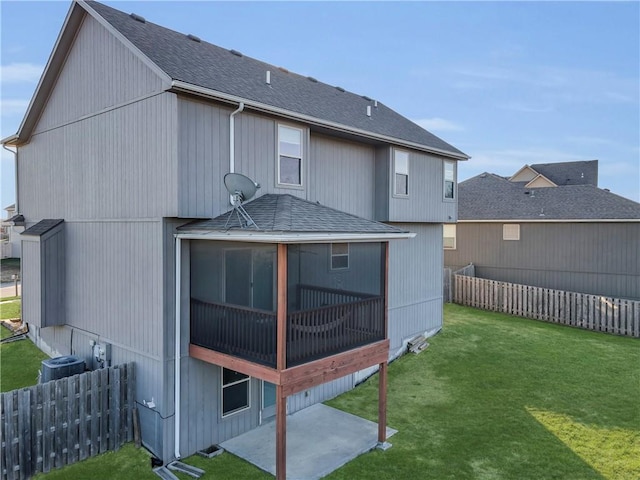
(493, 397)
(10, 308)
(19, 363)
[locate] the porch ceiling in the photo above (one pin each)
(289, 219)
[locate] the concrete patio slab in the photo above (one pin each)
(320, 439)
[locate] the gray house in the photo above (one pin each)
(132, 251)
(548, 225)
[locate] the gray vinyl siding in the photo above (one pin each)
(318, 394)
(342, 175)
(382, 183)
(203, 153)
(425, 202)
(596, 258)
(415, 283)
(99, 72)
(118, 164)
(115, 282)
(31, 282)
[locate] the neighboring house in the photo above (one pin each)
(128, 255)
(549, 225)
(10, 229)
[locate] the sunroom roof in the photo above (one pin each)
(289, 219)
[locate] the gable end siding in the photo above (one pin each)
(99, 72)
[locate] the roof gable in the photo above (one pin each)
(196, 66)
(570, 173)
(525, 174)
(540, 182)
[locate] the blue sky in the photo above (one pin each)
(509, 83)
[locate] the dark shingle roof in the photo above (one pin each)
(212, 67)
(570, 173)
(286, 213)
(491, 197)
(42, 227)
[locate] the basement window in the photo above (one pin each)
(235, 392)
(511, 231)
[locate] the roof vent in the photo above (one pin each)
(312, 79)
(138, 18)
(375, 103)
(282, 69)
(236, 53)
(194, 38)
(268, 78)
(340, 89)
(366, 98)
(368, 110)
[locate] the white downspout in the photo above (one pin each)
(177, 352)
(232, 142)
(15, 158)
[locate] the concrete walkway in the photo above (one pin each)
(320, 439)
(8, 289)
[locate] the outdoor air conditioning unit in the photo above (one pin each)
(60, 367)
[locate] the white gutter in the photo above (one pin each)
(176, 385)
(554, 220)
(178, 85)
(258, 236)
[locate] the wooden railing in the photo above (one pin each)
(247, 333)
(329, 322)
(324, 331)
(592, 312)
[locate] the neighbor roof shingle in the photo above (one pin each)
(570, 173)
(42, 227)
(491, 197)
(206, 65)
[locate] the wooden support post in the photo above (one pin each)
(281, 345)
(382, 404)
(281, 434)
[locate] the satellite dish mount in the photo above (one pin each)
(240, 189)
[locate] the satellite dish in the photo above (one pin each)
(241, 189)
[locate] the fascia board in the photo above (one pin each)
(256, 236)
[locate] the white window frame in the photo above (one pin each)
(453, 228)
(445, 180)
(301, 158)
(223, 386)
(332, 255)
(400, 170)
(511, 231)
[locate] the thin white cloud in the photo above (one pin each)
(20, 72)
(526, 108)
(439, 125)
(13, 107)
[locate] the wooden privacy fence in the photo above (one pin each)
(593, 312)
(64, 421)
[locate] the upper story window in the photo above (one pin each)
(401, 173)
(289, 156)
(339, 256)
(449, 179)
(449, 236)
